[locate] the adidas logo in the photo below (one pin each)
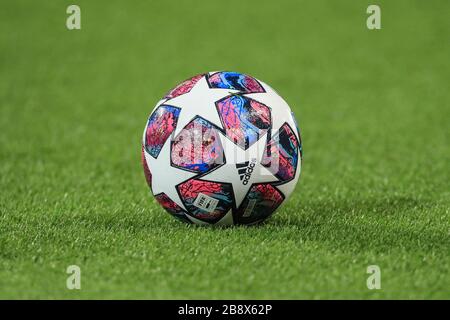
(245, 170)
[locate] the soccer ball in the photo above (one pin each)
(221, 148)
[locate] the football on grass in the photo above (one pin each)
(221, 148)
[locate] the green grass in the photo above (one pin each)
(374, 111)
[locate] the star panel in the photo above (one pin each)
(234, 80)
(281, 156)
(197, 147)
(260, 202)
(190, 190)
(244, 119)
(160, 126)
(299, 135)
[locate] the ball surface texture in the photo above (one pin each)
(221, 148)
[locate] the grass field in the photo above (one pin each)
(373, 107)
